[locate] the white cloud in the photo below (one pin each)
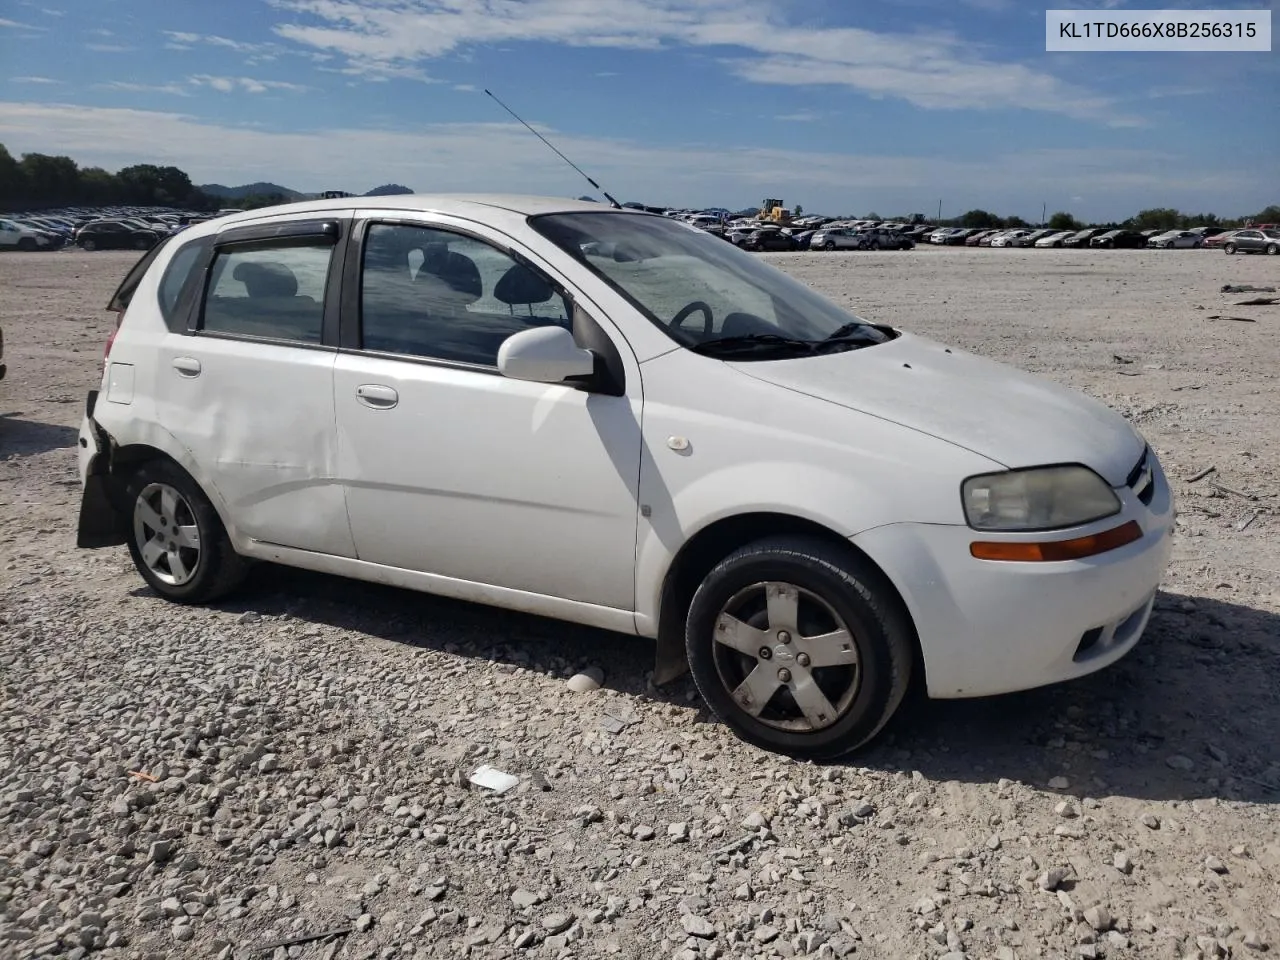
(247, 84)
(16, 25)
(109, 47)
(175, 89)
(930, 70)
(254, 53)
(504, 157)
(800, 116)
(41, 80)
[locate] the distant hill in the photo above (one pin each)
(388, 190)
(248, 190)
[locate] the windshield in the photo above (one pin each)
(697, 287)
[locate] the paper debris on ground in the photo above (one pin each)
(493, 779)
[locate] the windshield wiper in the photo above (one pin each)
(752, 341)
(847, 331)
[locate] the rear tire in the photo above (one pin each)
(1272, 249)
(799, 647)
(176, 539)
(142, 243)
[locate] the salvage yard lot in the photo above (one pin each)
(197, 782)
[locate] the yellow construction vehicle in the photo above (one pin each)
(773, 211)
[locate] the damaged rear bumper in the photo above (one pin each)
(101, 524)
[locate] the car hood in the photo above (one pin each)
(997, 411)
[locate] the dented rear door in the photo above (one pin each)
(247, 387)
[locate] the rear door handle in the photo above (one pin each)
(377, 396)
(187, 366)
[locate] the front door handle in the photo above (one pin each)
(377, 396)
(187, 366)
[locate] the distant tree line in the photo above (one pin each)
(39, 180)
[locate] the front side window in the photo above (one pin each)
(432, 293)
(700, 289)
(273, 291)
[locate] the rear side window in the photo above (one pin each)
(175, 278)
(275, 291)
(124, 293)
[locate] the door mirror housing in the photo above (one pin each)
(545, 355)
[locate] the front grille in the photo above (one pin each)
(1141, 479)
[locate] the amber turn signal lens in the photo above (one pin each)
(1076, 549)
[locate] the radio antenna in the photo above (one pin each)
(616, 205)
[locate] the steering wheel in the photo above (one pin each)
(688, 309)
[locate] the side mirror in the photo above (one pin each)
(544, 355)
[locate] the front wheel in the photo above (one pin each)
(799, 647)
(27, 245)
(141, 243)
(88, 245)
(829, 246)
(1229, 248)
(176, 539)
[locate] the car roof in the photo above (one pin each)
(447, 203)
(472, 206)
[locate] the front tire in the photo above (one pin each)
(176, 539)
(88, 245)
(27, 245)
(1229, 248)
(799, 647)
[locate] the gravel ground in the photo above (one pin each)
(202, 782)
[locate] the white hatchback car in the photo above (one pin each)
(613, 418)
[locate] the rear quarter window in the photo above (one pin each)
(177, 275)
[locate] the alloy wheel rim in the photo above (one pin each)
(786, 658)
(165, 530)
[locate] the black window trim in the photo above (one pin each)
(351, 336)
(333, 228)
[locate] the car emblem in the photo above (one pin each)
(783, 652)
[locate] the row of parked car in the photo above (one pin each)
(110, 228)
(823, 233)
(1092, 237)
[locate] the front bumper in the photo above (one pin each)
(990, 627)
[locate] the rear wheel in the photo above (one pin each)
(141, 243)
(1272, 249)
(176, 539)
(799, 647)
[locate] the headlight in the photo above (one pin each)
(1042, 498)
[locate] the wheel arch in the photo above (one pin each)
(716, 541)
(122, 461)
